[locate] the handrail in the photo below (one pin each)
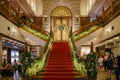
(36, 27)
(39, 64)
(34, 32)
(83, 28)
(13, 17)
(109, 15)
(80, 66)
(106, 17)
(87, 32)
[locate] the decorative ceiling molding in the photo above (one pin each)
(61, 11)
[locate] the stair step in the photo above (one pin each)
(59, 65)
(59, 77)
(60, 60)
(59, 68)
(75, 73)
(52, 63)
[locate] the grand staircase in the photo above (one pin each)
(59, 65)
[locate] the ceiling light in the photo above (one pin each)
(2, 2)
(116, 38)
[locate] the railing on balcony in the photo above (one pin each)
(79, 65)
(86, 27)
(112, 12)
(13, 15)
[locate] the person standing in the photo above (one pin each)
(19, 67)
(7, 70)
(15, 66)
(100, 62)
(110, 65)
(118, 68)
(105, 57)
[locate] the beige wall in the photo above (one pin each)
(0, 52)
(116, 49)
(73, 5)
(18, 33)
(14, 31)
(106, 32)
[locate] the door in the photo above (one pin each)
(61, 29)
(61, 23)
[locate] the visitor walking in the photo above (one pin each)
(105, 57)
(100, 62)
(110, 65)
(118, 68)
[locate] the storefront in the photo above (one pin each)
(11, 50)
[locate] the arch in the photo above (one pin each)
(61, 16)
(61, 11)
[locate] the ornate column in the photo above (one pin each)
(0, 51)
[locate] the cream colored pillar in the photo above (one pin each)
(0, 51)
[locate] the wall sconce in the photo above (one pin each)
(45, 18)
(107, 31)
(77, 18)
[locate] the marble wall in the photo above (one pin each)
(73, 5)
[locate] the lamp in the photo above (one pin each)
(77, 17)
(45, 17)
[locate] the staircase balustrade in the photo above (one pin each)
(13, 17)
(38, 64)
(79, 65)
(112, 12)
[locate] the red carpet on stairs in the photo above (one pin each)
(59, 65)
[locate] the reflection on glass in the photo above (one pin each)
(14, 55)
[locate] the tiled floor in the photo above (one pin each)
(15, 77)
(102, 75)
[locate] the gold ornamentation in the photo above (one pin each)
(61, 11)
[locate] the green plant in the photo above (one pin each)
(36, 33)
(34, 66)
(91, 65)
(26, 61)
(79, 65)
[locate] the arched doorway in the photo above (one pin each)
(61, 23)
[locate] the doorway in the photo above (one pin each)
(61, 23)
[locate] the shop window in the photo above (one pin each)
(14, 55)
(85, 50)
(4, 55)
